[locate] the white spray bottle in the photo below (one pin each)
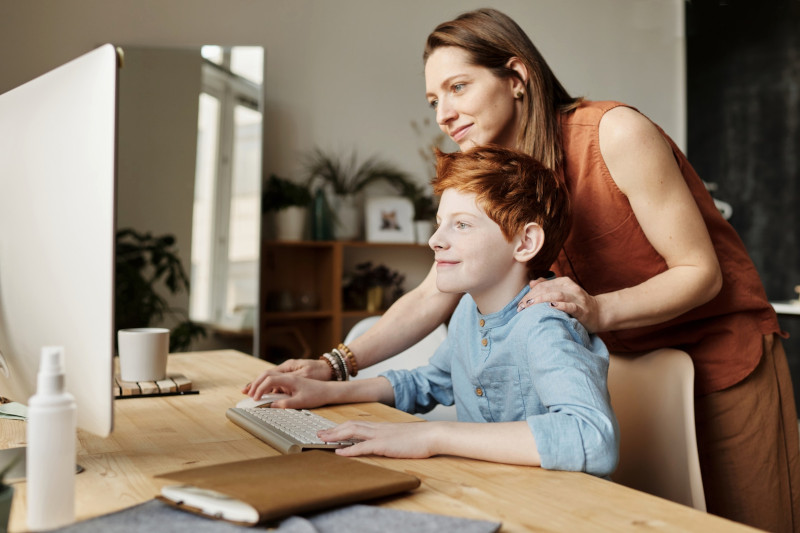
(50, 459)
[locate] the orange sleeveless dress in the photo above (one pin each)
(607, 251)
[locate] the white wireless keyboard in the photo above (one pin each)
(286, 430)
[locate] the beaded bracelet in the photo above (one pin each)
(338, 371)
(343, 364)
(342, 359)
(330, 364)
(350, 357)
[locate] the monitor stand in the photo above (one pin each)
(17, 472)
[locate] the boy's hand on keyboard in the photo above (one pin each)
(409, 440)
(305, 393)
(309, 368)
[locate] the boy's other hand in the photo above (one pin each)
(407, 440)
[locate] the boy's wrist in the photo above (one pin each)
(437, 438)
(338, 392)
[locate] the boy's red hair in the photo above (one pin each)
(513, 189)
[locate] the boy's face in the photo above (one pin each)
(472, 254)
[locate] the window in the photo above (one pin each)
(227, 198)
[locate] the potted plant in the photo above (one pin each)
(145, 264)
(372, 287)
(425, 207)
(288, 203)
(346, 178)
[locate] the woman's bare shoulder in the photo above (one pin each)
(622, 126)
(633, 148)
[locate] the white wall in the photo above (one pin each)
(347, 74)
(157, 139)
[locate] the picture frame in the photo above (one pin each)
(389, 219)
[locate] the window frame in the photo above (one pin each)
(230, 90)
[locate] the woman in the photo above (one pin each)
(650, 263)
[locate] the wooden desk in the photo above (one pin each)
(157, 435)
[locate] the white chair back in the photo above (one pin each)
(653, 398)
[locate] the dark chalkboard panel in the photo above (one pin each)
(743, 77)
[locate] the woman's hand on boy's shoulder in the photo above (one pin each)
(565, 295)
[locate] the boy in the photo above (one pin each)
(537, 375)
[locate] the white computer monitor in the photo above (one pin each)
(57, 231)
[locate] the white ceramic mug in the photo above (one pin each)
(143, 353)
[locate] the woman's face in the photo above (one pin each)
(473, 106)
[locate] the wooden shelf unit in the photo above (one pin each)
(292, 270)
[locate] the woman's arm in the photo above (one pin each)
(501, 442)
(642, 165)
(405, 323)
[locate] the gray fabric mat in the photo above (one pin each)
(154, 516)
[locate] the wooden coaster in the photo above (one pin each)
(174, 383)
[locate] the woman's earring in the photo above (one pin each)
(519, 95)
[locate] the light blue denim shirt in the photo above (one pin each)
(538, 365)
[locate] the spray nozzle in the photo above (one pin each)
(51, 370)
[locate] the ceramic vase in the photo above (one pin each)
(290, 223)
(347, 218)
(374, 299)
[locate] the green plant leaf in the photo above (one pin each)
(145, 264)
(280, 193)
(347, 176)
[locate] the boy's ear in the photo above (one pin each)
(530, 242)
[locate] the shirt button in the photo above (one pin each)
(479, 391)
(485, 341)
(483, 322)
